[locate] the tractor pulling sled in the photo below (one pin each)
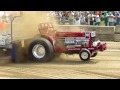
(49, 43)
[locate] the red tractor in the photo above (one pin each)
(51, 42)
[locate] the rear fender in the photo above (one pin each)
(50, 38)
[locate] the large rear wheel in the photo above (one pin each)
(41, 50)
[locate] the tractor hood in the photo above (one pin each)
(70, 34)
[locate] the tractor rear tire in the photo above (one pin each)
(85, 55)
(34, 51)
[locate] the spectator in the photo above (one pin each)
(77, 18)
(117, 15)
(91, 18)
(60, 17)
(67, 17)
(106, 18)
(3, 27)
(99, 13)
(110, 19)
(82, 19)
(77, 21)
(71, 18)
(97, 19)
(86, 20)
(63, 18)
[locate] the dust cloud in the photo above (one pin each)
(26, 26)
(69, 28)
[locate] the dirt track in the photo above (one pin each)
(104, 66)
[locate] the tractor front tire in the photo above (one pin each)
(85, 55)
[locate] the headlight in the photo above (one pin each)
(95, 44)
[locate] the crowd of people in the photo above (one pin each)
(110, 18)
(106, 18)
